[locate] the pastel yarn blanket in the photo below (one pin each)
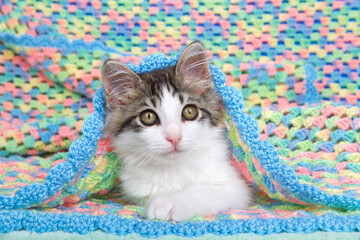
(291, 104)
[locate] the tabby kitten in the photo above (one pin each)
(166, 127)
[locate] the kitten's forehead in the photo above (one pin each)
(170, 106)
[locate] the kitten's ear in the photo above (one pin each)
(193, 67)
(119, 83)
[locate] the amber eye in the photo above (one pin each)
(148, 118)
(189, 112)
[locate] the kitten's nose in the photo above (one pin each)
(174, 139)
(173, 134)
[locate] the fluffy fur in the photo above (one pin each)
(174, 181)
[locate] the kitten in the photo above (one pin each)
(166, 126)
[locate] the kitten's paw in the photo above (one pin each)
(165, 208)
(180, 214)
(160, 208)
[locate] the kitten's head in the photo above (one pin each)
(163, 114)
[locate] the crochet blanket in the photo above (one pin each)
(288, 74)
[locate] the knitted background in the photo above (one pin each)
(296, 65)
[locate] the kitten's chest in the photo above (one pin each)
(141, 183)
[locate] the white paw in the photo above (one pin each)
(167, 208)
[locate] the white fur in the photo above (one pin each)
(197, 181)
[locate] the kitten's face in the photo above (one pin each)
(164, 114)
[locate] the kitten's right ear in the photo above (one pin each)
(193, 68)
(119, 83)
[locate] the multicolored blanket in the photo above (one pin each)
(288, 73)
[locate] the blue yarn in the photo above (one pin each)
(311, 95)
(45, 136)
(302, 134)
(77, 223)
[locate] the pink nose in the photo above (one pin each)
(174, 140)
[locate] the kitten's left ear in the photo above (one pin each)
(193, 67)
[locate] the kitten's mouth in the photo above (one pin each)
(174, 152)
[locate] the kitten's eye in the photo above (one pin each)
(189, 112)
(148, 118)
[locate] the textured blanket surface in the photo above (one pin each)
(295, 64)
